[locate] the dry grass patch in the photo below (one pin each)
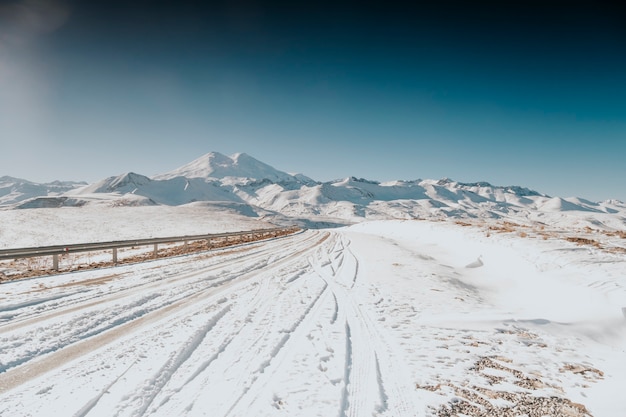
(616, 249)
(506, 227)
(501, 229)
(481, 401)
(584, 370)
(618, 233)
(462, 223)
(583, 241)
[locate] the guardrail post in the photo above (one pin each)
(156, 249)
(55, 262)
(114, 256)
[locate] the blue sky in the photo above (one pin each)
(523, 93)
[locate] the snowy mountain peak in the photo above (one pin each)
(7, 179)
(241, 156)
(123, 183)
(130, 179)
(203, 167)
(216, 165)
(14, 190)
(482, 187)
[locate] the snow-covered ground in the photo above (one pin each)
(388, 318)
(67, 225)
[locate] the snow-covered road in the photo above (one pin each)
(385, 318)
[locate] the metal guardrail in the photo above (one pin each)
(55, 251)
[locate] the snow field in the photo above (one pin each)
(390, 318)
(88, 224)
(530, 305)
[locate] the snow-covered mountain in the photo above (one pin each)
(142, 190)
(239, 166)
(15, 190)
(243, 179)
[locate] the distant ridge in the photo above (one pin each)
(268, 192)
(15, 190)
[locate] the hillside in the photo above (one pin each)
(16, 190)
(243, 179)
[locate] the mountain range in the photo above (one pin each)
(243, 180)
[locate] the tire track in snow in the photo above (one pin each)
(240, 348)
(172, 279)
(280, 352)
(345, 260)
(41, 365)
(125, 295)
(159, 393)
(163, 376)
(202, 368)
(345, 395)
(86, 409)
(133, 311)
(359, 379)
(371, 378)
(261, 347)
(36, 302)
(107, 320)
(394, 387)
(94, 292)
(361, 382)
(383, 397)
(336, 309)
(355, 274)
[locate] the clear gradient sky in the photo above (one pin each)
(510, 92)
